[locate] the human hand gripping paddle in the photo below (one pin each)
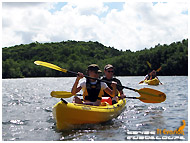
(147, 95)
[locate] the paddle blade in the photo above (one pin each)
(49, 65)
(149, 95)
(141, 81)
(61, 94)
(158, 69)
(149, 64)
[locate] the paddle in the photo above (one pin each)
(52, 66)
(61, 94)
(149, 64)
(159, 81)
(144, 95)
(141, 81)
(156, 95)
(158, 69)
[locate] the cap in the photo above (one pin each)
(108, 66)
(94, 67)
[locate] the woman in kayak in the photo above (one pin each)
(109, 73)
(92, 89)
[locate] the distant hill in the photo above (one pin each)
(18, 61)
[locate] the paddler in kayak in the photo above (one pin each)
(153, 75)
(93, 90)
(109, 76)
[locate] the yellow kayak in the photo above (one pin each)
(154, 81)
(69, 114)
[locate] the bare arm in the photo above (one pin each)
(122, 94)
(76, 89)
(113, 92)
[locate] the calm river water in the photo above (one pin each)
(27, 111)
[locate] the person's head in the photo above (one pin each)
(93, 70)
(153, 72)
(109, 71)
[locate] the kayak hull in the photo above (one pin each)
(67, 115)
(154, 81)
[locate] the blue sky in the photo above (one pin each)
(115, 5)
(111, 5)
(58, 6)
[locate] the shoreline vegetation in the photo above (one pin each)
(18, 60)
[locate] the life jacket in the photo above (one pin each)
(153, 76)
(109, 85)
(92, 92)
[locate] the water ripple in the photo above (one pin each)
(16, 122)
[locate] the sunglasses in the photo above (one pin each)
(110, 71)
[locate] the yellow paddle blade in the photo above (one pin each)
(61, 94)
(149, 95)
(149, 64)
(49, 65)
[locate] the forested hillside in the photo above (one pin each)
(18, 61)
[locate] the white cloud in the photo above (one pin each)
(142, 25)
(88, 7)
(136, 26)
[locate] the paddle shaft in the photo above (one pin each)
(52, 66)
(132, 97)
(119, 97)
(75, 73)
(66, 94)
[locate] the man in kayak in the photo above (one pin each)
(92, 89)
(109, 73)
